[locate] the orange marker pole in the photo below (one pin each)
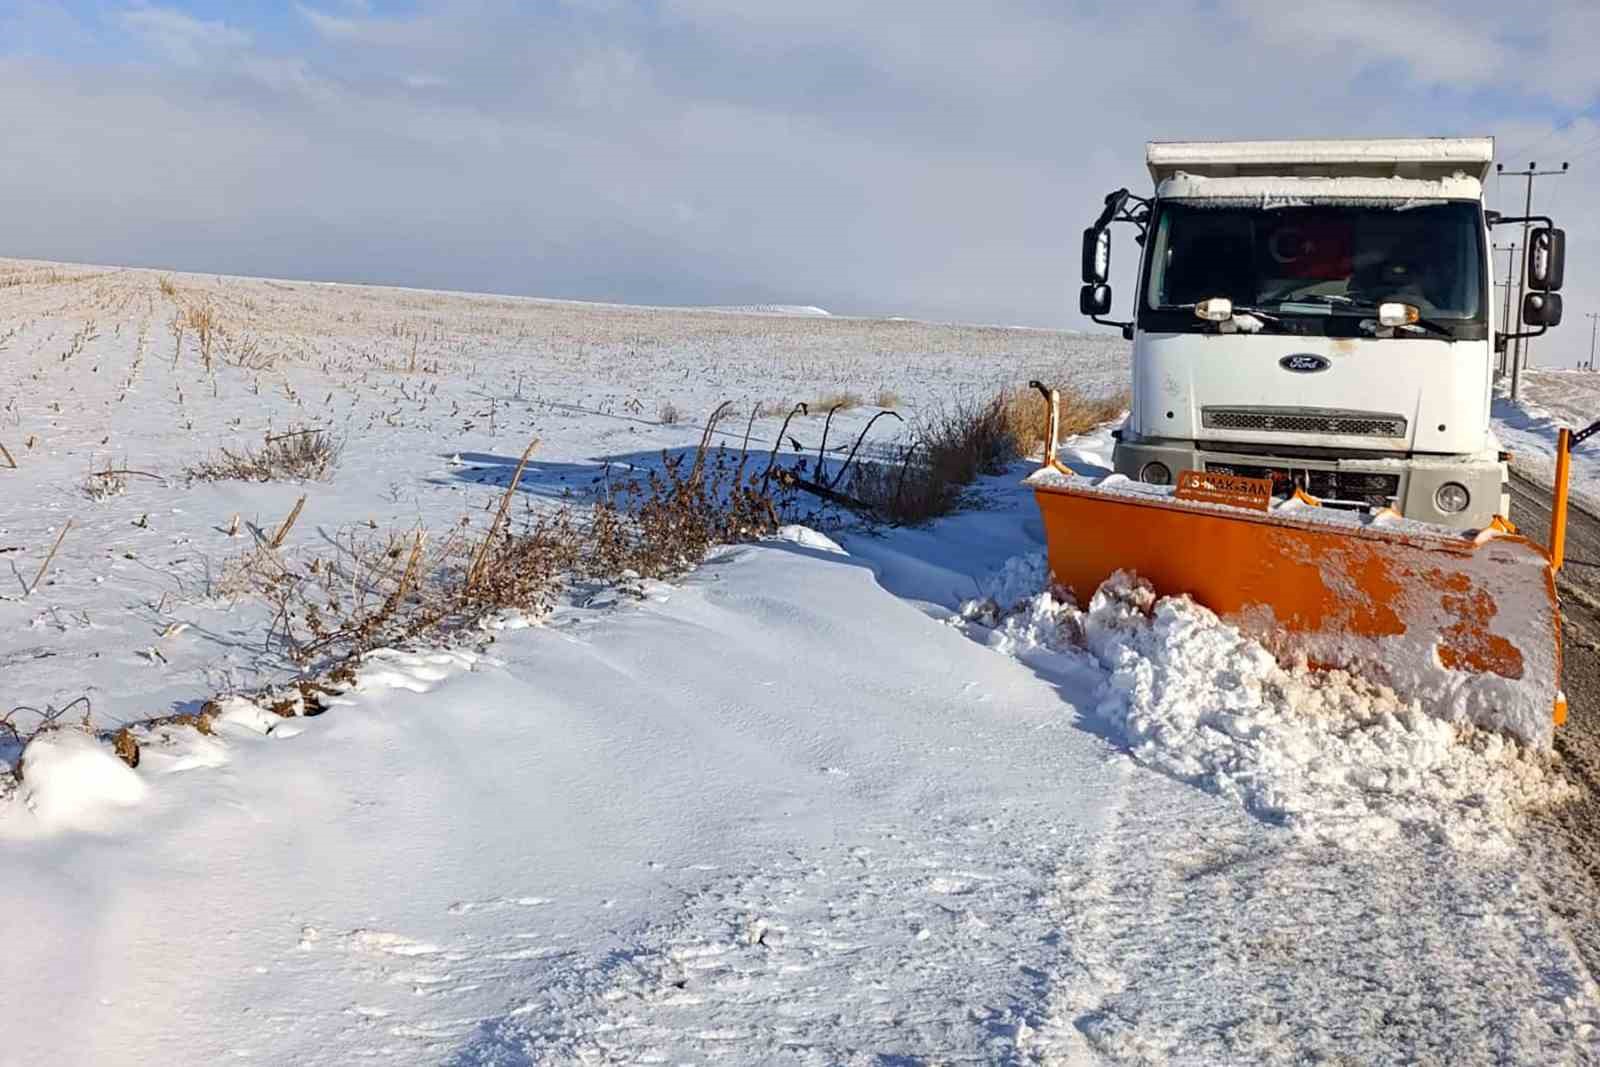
(1558, 503)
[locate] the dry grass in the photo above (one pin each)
(247, 352)
(164, 283)
(950, 447)
(203, 321)
(44, 568)
(663, 524)
(956, 443)
(200, 318)
(839, 399)
(667, 413)
(302, 454)
(1026, 417)
(886, 397)
(330, 609)
(103, 485)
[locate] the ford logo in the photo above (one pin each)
(1304, 363)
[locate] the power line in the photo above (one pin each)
(1561, 126)
(1555, 131)
(1586, 149)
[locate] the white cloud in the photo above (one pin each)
(182, 38)
(900, 157)
(1465, 43)
(329, 25)
(1435, 44)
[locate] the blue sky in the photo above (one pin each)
(903, 157)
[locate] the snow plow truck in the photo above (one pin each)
(1308, 450)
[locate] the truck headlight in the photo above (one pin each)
(1452, 498)
(1155, 473)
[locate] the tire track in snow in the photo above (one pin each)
(1237, 943)
(1085, 907)
(1571, 832)
(931, 941)
(1191, 937)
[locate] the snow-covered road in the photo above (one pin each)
(1528, 427)
(784, 813)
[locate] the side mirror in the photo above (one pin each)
(1096, 255)
(1547, 259)
(1541, 309)
(1095, 300)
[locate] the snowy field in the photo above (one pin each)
(1551, 399)
(846, 796)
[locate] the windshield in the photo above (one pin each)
(1320, 260)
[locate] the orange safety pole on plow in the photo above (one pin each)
(1558, 502)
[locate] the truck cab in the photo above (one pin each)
(1321, 314)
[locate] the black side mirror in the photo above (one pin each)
(1096, 256)
(1541, 309)
(1095, 300)
(1547, 259)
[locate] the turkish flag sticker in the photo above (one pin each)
(1312, 248)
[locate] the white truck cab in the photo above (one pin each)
(1321, 313)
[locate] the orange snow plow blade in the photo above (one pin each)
(1466, 623)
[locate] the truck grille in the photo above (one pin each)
(1305, 420)
(1349, 487)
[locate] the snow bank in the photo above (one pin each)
(806, 537)
(1327, 754)
(247, 715)
(801, 310)
(72, 781)
(1449, 599)
(1530, 426)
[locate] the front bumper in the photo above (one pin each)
(1410, 486)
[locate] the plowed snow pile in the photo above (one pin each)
(1327, 754)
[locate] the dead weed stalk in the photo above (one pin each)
(955, 444)
(302, 454)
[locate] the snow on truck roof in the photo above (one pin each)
(1424, 158)
(1285, 192)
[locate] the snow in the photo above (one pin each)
(806, 537)
(1330, 756)
(793, 808)
(1293, 191)
(1470, 155)
(1121, 486)
(246, 715)
(1529, 427)
(1506, 573)
(803, 310)
(71, 781)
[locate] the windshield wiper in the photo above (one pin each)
(1238, 309)
(1418, 323)
(1350, 303)
(1429, 324)
(1338, 299)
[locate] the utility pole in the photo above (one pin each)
(1520, 352)
(1505, 316)
(1594, 324)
